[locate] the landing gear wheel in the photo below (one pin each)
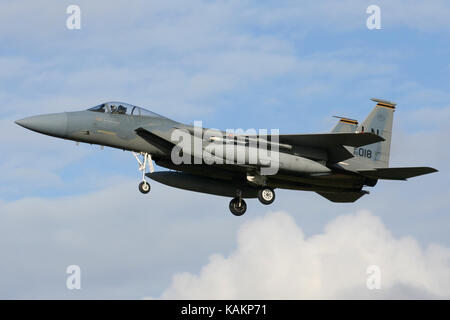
(144, 187)
(238, 206)
(266, 196)
(146, 161)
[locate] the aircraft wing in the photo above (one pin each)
(332, 143)
(155, 139)
(329, 140)
(396, 173)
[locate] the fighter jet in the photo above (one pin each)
(337, 165)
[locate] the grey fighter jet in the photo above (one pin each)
(336, 165)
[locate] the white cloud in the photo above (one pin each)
(124, 242)
(274, 260)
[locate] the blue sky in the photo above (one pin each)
(287, 65)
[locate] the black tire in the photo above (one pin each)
(236, 209)
(266, 195)
(144, 187)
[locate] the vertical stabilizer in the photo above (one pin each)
(345, 125)
(379, 121)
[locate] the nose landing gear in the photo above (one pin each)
(144, 186)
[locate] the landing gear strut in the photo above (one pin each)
(238, 205)
(146, 161)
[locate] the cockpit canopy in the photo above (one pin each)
(123, 108)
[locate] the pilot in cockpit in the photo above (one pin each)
(121, 110)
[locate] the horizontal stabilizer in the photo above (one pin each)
(396, 173)
(343, 196)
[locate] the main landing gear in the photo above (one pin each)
(266, 195)
(146, 161)
(238, 206)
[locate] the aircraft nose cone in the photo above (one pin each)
(50, 124)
